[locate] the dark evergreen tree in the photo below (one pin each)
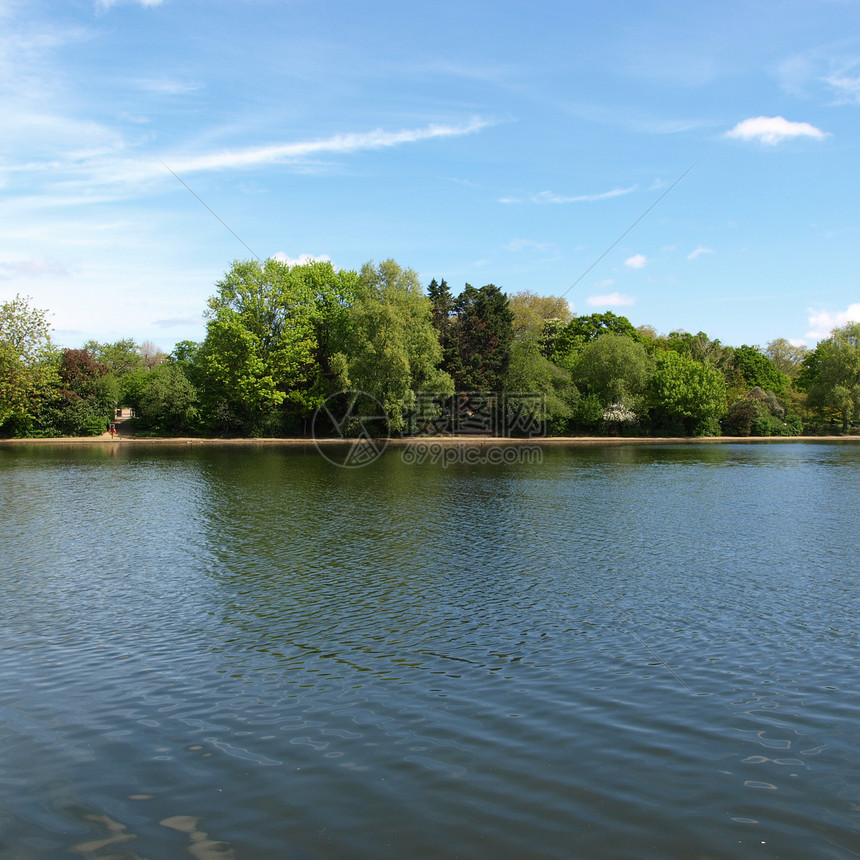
(442, 306)
(481, 338)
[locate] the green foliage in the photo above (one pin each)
(28, 366)
(268, 341)
(481, 338)
(760, 413)
(562, 344)
(786, 357)
(588, 413)
(441, 307)
(757, 370)
(388, 345)
(532, 311)
(698, 347)
(686, 397)
(25, 330)
(82, 401)
(166, 401)
(121, 358)
(614, 368)
(530, 372)
(831, 375)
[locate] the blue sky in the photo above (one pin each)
(485, 142)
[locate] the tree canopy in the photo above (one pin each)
(280, 339)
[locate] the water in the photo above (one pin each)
(247, 652)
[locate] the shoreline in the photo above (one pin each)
(472, 441)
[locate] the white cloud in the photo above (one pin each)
(846, 87)
(339, 144)
(107, 4)
(699, 251)
(822, 323)
(301, 260)
(35, 267)
(167, 86)
(771, 130)
(637, 261)
(552, 197)
(610, 300)
(99, 173)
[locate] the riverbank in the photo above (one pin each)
(107, 439)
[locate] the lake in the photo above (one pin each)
(618, 651)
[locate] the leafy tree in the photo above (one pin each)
(268, 341)
(83, 402)
(531, 312)
(389, 348)
(698, 347)
(481, 339)
(757, 370)
(569, 340)
(760, 413)
(614, 368)
(120, 358)
(28, 365)
(167, 401)
(686, 396)
(530, 372)
(786, 356)
(25, 329)
(831, 374)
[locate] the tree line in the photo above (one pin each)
(282, 339)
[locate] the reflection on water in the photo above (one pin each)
(620, 652)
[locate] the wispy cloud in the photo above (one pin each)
(167, 86)
(822, 323)
(820, 73)
(107, 4)
(35, 267)
(552, 197)
(771, 130)
(845, 86)
(699, 251)
(103, 173)
(340, 144)
(610, 300)
(637, 261)
(529, 245)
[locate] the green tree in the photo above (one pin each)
(121, 357)
(28, 366)
(831, 374)
(529, 372)
(167, 401)
(686, 397)
(616, 370)
(757, 370)
(532, 311)
(441, 307)
(389, 348)
(786, 356)
(83, 402)
(481, 339)
(698, 347)
(562, 344)
(268, 341)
